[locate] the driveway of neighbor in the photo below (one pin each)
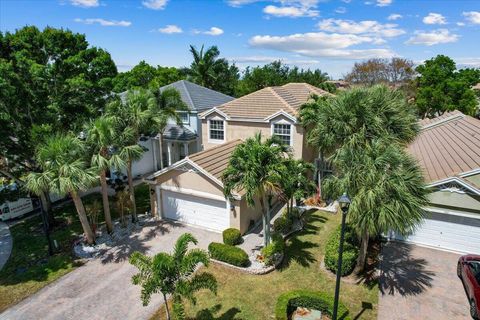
(420, 283)
(102, 288)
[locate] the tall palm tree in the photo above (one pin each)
(173, 274)
(65, 171)
(256, 167)
(203, 65)
(169, 102)
(102, 135)
(295, 182)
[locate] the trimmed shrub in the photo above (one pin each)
(232, 236)
(274, 248)
(350, 251)
(291, 300)
(229, 254)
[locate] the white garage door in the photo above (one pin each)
(203, 212)
(449, 232)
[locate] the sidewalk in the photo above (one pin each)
(5, 244)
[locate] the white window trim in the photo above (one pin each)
(224, 130)
(188, 116)
(292, 126)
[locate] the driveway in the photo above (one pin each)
(102, 288)
(420, 283)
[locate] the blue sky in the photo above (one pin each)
(327, 34)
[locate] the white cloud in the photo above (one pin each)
(239, 3)
(394, 16)
(170, 29)
(290, 11)
(155, 4)
(460, 24)
(341, 10)
(85, 3)
(370, 27)
(320, 44)
(432, 37)
(383, 3)
(434, 18)
(104, 23)
(468, 62)
(268, 59)
(347, 1)
(472, 16)
(214, 31)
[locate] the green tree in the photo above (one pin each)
(102, 136)
(169, 102)
(364, 132)
(441, 88)
(295, 182)
(64, 171)
(173, 274)
(256, 167)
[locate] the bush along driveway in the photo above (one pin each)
(245, 296)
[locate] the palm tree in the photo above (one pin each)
(295, 182)
(65, 171)
(256, 167)
(173, 274)
(169, 102)
(203, 65)
(102, 135)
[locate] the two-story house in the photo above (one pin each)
(191, 190)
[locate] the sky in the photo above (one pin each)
(330, 35)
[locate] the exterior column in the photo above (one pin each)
(185, 146)
(169, 151)
(155, 164)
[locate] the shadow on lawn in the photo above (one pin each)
(210, 314)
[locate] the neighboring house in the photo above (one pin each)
(179, 141)
(270, 111)
(191, 191)
(448, 150)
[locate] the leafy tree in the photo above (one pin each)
(212, 72)
(50, 80)
(169, 102)
(441, 88)
(256, 167)
(64, 171)
(173, 274)
(295, 182)
(382, 71)
(277, 74)
(102, 136)
(124, 204)
(363, 132)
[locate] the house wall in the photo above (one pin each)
(455, 200)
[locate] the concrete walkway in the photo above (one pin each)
(5, 244)
(102, 288)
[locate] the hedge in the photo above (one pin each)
(289, 301)
(275, 247)
(232, 236)
(350, 251)
(229, 254)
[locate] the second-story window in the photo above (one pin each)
(217, 130)
(283, 132)
(184, 116)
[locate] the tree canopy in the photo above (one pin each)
(377, 71)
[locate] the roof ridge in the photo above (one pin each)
(455, 116)
(188, 93)
(213, 148)
(282, 99)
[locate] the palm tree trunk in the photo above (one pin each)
(131, 189)
(83, 217)
(291, 205)
(266, 231)
(160, 144)
(106, 204)
(362, 254)
(47, 206)
(166, 306)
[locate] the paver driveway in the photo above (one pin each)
(102, 288)
(420, 283)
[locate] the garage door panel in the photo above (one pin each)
(447, 231)
(203, 212)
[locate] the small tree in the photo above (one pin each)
(93, 210)
(295, 183)
(124, 204)
(173, 274)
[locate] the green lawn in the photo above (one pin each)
(29, 268)
(243, 296)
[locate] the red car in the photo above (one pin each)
(468, 270)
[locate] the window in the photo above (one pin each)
(184, 116)
(282, 131)
(217, 130)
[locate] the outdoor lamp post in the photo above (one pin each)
(344, 202)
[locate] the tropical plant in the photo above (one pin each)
(257, 168)
(295, 182)
(173, 274)
(101, 137)
(124, 204)
(62, 159)
(93, 210)
(169, 102)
